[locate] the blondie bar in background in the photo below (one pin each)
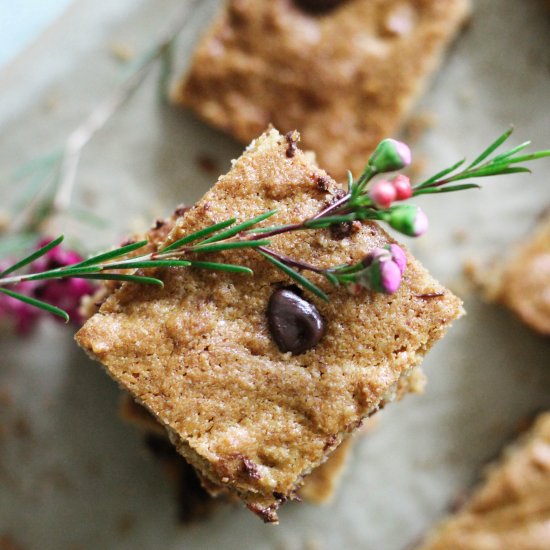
(511, 507)
(344, 73)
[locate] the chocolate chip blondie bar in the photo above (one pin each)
(197, 353)
(522, 281)
(344, 73)
(511, 508)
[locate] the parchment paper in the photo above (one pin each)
(72, 476)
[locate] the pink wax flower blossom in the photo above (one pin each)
(384, 268)
(63, 293)
(402, 186)
(383, 193)
(390, 155)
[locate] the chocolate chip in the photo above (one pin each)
(295, 324)
(318, 6)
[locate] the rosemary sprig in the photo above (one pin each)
(381, 270)
(483, 166)
(36, 303)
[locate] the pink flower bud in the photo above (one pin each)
(402, 186)
(383, 193)
(390, 277)
(383, 269)
(421, 223)
(409, 220)
(390, 155)
(398, 257)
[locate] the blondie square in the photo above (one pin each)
(344, 77)
(318, 487)
(522, 281)
(197, 353)
(511, 508)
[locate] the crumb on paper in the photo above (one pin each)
(460, 235)
(466, 95)
(418, 124)
(22, 428)
(121, 51)
(51, 102)
(312, 543)
(6, 398)
(57, 478)
(207, 164)
(93, 468)
(125, 524)
(4, 221)
(7, 542)
(473, 271)
(89, 197)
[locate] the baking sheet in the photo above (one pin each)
(73, 476)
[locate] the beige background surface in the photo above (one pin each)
(73, 476)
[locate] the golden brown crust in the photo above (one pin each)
(197, 353)
(318, 487)
(345, 79)
(511, 509)
(522, 282)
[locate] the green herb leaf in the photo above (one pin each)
(532, 156)
(493, 147)
(511, 152)
(223, 267)
(112, 254)
(440, 175)
(264, 229)
(332, 278)
(491, 170)
(34, 256)
(218, 247)
(239, 227)
(122, 277)
(36, 303)
(199, 234)
(300, 279)
(139, 264)
(327, 221)
(445, 189)
(350, 181)
(63, 273)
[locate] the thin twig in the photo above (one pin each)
(64, 172)
(99, 116)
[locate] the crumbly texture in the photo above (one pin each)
(198, 355)
(319, 486)
(192, 499)
(511, 509)
(522, 281)
(345, 78)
